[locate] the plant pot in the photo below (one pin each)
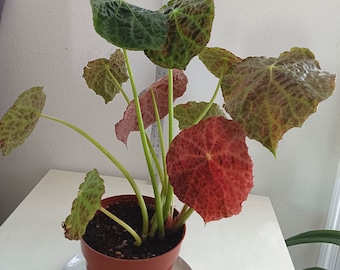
(98, 261)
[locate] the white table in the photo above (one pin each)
(32, 237)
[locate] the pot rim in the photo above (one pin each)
(106, 201)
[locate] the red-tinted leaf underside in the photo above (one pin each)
(210, 168)
(160, 89)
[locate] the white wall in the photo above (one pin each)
(45, 42)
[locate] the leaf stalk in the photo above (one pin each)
(146, 149)
(116, 163)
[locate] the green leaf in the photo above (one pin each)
(20, 120)
(187, 114)
(268, 96)
(118, 66)
(128, 26)
(190, 23)
(218, 60)
(84, 206)
(105, 77)
(315, 236)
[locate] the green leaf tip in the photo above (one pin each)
(128, 26)
(106, 76)
(269, 96)
(20, 120)
(84, 206)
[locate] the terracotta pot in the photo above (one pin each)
(98, 261)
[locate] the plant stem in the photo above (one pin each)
(169, 189)
(168, 205)
(118, 85)
(206, 109)
(161, 138)
(184, 215)
(158, 202)
(156, 162)
(170, 104)
(116, 163)
(126, 226)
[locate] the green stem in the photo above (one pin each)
(126, 226)
(170, 103)
(211, 102)
(119, 86)
(184, 209)
(158, 202)
(169, 189)
(169, 206)
(161, 138)
(156, 162)
(184, 215)
(116, 163)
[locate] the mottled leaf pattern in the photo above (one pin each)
(218, 60)
(187, 114)
(160, 89)
(128, 26)
(270, 96)
(210, 169)
(118, 66)
(84, 206)
(106, 76)
(20, 120)
(190, 23)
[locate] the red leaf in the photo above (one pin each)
(160, 89)
(210, 169)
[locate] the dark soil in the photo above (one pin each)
(109, 238)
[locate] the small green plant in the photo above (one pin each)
(207, 165)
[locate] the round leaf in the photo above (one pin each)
(210, 169)
(105, 77)
(190, 23)
(128, 26)
(84, 206)
(268, 96)
(20, 120)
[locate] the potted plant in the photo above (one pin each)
(207, 165)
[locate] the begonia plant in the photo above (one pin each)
(206, 165)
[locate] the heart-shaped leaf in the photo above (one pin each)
(84, 206)
(20, 120)
(270, 96)
(190, 23)
(210, 169)
(128, 26)
(187, 114)
(105, 77)
(218, 60)
(160, 89)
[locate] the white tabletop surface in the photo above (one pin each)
(32, 237)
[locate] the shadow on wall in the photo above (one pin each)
(2, 2)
